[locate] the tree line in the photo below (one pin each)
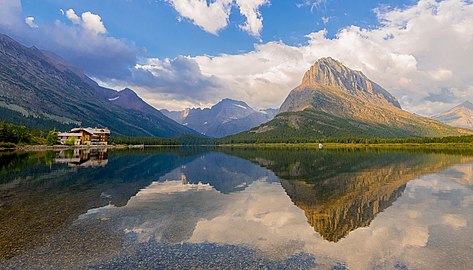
(375, 140)
(12, 134)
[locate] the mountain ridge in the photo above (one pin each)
(225, 118)
(41, 90)
(459, 116)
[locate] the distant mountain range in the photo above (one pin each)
(459, 116)
(224, 118)
(39, 89)
(335, 101)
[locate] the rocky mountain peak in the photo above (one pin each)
(331, 76)
(330, 72)
(128, 92)
(459, 116)
(231, 102)
(467, 105)
(227, 117)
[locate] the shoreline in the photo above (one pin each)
(356, 145)
(393, 146)
(38, 148)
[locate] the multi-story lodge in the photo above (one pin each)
(85, 136)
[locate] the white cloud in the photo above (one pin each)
(262, 77)
(89, 21)
(210, 17)
(93, 23)
(213, 16)
(72, 16)
(441, 74)
(254, 20)
(30, 22)
(171, 83)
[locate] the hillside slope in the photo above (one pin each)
(40, 90)
(459, 116)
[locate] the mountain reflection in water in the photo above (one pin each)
(342, 191)
(279, 207)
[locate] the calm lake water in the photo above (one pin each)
(194, 208)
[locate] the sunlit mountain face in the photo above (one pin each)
(206, 208)
(458, 116)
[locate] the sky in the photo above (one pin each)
(192, 53)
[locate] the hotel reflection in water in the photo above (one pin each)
(83, 157)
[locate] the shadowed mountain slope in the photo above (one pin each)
(39, 89)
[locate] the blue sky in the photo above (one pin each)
(154, 25)
(189, 53)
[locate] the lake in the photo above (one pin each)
(207, 208)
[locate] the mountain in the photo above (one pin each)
(335, 101)
(459, 116)
(39, 89)
(224, 118)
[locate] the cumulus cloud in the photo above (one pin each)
(180, 77)
(176, 76)
(93, 23)
(254, 20)
(83, 42)
(72, 16)
(30, 22)
(262, 77)
(441, 74)
(89, 21)
(211, 17)
(444, 94)
(171, 83)
(214, 16)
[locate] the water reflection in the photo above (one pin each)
(223, 172)
(83, 157)
(294, 209)
(340, 192)
(39, 197)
